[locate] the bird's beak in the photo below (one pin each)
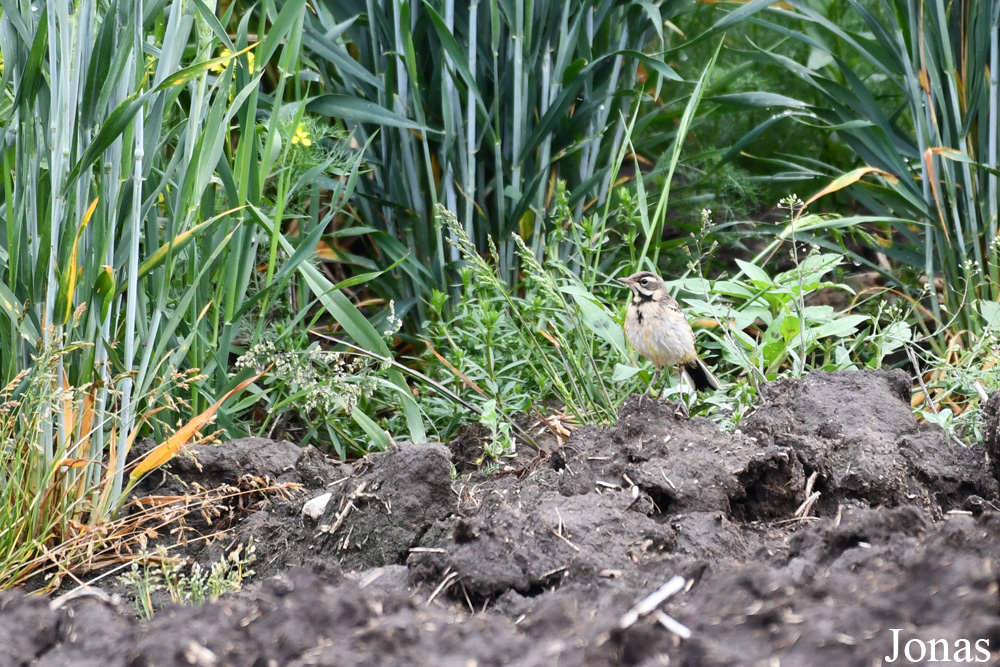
(626, 281)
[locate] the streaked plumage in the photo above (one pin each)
(656, 327)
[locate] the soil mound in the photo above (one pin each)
(828, 521)
(856, 430)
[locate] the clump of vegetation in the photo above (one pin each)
(310, 391)
(188, 585)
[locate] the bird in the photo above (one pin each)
(656, 327)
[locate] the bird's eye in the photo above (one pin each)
(644, 281)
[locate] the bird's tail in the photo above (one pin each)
(701, 377)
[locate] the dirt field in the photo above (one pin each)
(827, 523)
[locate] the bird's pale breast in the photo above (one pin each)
(667, 342)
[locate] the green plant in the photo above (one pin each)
(953, 385)
(315, 388)
(483, 108)
(115, 242)
(770, 324)
(913, 92)
(52, 516)
(500, 443)
(557, 338)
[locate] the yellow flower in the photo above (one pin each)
(220, 67)
(301, 136)
(226, 53)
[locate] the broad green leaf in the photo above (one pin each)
(457, 56)
(841, 327)
(32, 76)
(113, 127)
(990, 312)
(597, 319)
(790, 327)
(773, 351)
(357, 110)
(898, 334)
(732, 18)
(817, 313)
(734, 288)
(178, 244)
(759, 99)
(655, 64)
(104, 288)
(13, 309)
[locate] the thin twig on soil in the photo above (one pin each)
(342, 515)
(672, 624)
(448, 580)
(573, 546)
(811, 497)
(651, 601)
(468, 600)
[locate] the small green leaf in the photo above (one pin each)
(32, 76)
(623, 372)
(790, 327)
(104, 288)
(841, 327)
(573, 70)
(598, 319)
(113, 127)
(772, 351)
(379, 440)
(754, 272)
(290, 12)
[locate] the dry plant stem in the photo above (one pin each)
(983, 396)
(111, 543)
(445, 584)
(920, 379)
(811, 497)
(348, 506)
(652, 601)
(81, 591)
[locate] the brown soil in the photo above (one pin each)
(539, 565)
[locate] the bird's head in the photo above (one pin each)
(643, 284)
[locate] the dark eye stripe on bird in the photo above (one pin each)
(656, 327)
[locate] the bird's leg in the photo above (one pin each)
(681, 403)
(652, 381)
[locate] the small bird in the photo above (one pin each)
(656, 327)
